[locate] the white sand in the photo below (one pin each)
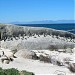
(35, 66)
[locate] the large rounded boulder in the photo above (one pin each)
(26, 54)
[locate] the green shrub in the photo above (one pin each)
(13, 71)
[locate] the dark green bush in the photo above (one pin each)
(13, 71)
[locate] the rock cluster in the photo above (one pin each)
(6, 57)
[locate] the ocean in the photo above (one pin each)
(70, 27)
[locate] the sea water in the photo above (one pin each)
(67, 27)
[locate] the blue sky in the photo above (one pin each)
(36, 10)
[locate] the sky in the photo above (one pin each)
(36, 10)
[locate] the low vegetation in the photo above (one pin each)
(13, 71)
